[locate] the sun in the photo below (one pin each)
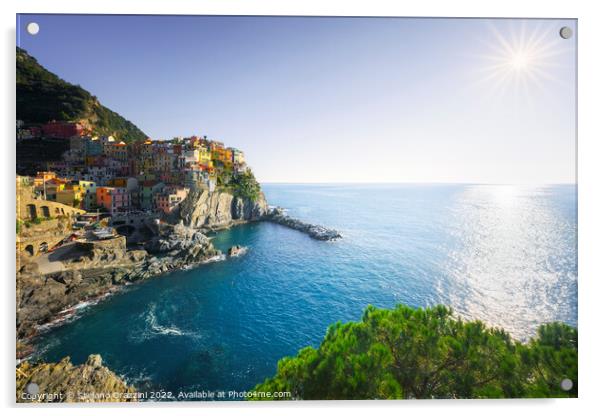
(520, 60)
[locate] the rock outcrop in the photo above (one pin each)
(92, 269)
(42, 299)
(278, 216)
(236, 251)
(101, 253)
(65, 382)
(219, 209)
(175, 247)
(102, 267)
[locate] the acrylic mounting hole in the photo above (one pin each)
(566, 32)
(33, 28)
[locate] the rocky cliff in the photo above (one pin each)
(99, 268)
(219, 209)
(94, 269)
(64, 382)
(91, 270)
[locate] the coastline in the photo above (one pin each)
(221, 242)
(116, 278)
(155, 264)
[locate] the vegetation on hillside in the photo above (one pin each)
(245, 186)
(409, 353)
(42, 96)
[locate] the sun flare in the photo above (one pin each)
(520, 60)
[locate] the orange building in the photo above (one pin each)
(113, 199)
(42, 177)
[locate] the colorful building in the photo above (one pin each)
(47, 184)
(42, 177)
(238, 156)
(88, 189)
(118, 182)
(146, 192)
(205, 156)
(62, 129)
(117, 151)
(169, 198)
(113, 199)
(71, 194)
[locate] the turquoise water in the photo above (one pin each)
(503, 254)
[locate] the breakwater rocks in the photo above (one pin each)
(64, 382)
(278, 216)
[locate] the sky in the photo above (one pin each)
(336, 99)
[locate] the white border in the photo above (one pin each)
(589, 173)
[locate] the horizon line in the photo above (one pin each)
(419, 183)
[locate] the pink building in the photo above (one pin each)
(170, 197)
(113, 199)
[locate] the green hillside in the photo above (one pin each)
(42, 96)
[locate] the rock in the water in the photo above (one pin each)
(236, 250)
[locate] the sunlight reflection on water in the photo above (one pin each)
(514, 252)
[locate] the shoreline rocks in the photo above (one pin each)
(318, 232)
(100, 268)
(42, 299)
(65, 382)
(236, 251)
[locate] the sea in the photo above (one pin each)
(503, 254)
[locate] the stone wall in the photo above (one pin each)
(33, 237)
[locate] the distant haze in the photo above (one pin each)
(336, 99)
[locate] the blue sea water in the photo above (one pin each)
(504, 254)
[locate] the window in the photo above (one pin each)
(32, 211)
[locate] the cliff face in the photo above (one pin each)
(101, 267)
(202, 209)
(64, 382)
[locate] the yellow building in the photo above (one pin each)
(43, 177)
(71, 195)
(205, 156)
(238, 156)
(50, 189)
(228, 155)
(118, 182)
(88, 193)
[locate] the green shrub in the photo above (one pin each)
(427, 353)
(245, 186)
